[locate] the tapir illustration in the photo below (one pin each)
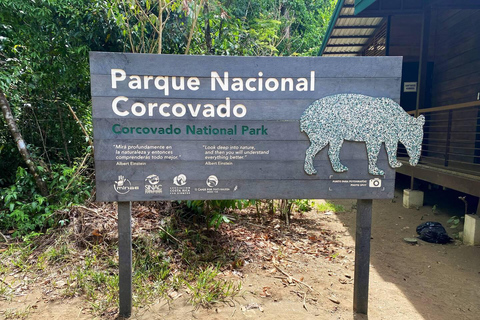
(355, 117)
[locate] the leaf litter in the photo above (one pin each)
(237, 248)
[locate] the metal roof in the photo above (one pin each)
(347, 35)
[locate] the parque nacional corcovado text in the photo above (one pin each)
(123, 106)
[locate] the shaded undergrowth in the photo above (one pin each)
(175, 253)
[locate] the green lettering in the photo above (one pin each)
(264, 131)
(114, 128)
(190, 130)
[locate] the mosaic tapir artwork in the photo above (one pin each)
(355, 117)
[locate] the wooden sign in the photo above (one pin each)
(171, 127)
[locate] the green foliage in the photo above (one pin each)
(327, 206)
(148, 261)
(303, 205)
(265, 32)
(216, 219)
(58, 255)
(215, 211)
(454, 221)
(17, 313)
(24, 210)
(44, 69)
(99, 286)
(266, 27)
(166, 233)
(207, 289)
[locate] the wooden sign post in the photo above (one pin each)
(170, 127)
(362, 255)
(125, 258)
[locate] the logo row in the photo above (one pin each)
(152, 183)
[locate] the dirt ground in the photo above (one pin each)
(309, 274)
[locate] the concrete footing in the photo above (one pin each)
(471, 230)
(412, 198)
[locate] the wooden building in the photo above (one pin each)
(440, 44)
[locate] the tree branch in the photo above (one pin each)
(22, 147)
(192, 30)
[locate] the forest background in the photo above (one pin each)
(46, 144)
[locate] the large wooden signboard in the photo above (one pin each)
(203, 127)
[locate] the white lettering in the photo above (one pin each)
(193, 83)
(179, 87)
(247, 84)
(163, 106)
(146, 79)
(290, 84)
(260, 82)
(275, 84)
(142, 109)
(135, 82)
(182, 108)
(237, 84)
(194, 112)
(151, 106)
(164, 86)
(239, 111)
(115, 109)
(117, 75)
(223, 110)
(208, 111)
(302, 84)
(215, 77)
(312, 80)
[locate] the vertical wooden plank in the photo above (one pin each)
(125, 258)
(449, 134)
(362, 255)
(422, 67)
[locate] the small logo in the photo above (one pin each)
(375, 183)
(122, 185)
(212, 181)
(152, 185)
(180, 180)
(152, 179)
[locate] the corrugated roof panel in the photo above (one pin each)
(347, 11)
(353, 32)
(350, 33)
(344, 49)
(378, 20)
(335, 41)
(341, 22)
(357, 22)
(328, 54)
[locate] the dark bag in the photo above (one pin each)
(433, 232)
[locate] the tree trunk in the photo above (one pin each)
(208, 36)
(286, 13)
(160, 25)
(194, 23)
(65, 144)
(17, 136)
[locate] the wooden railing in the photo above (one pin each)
(451, 137)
